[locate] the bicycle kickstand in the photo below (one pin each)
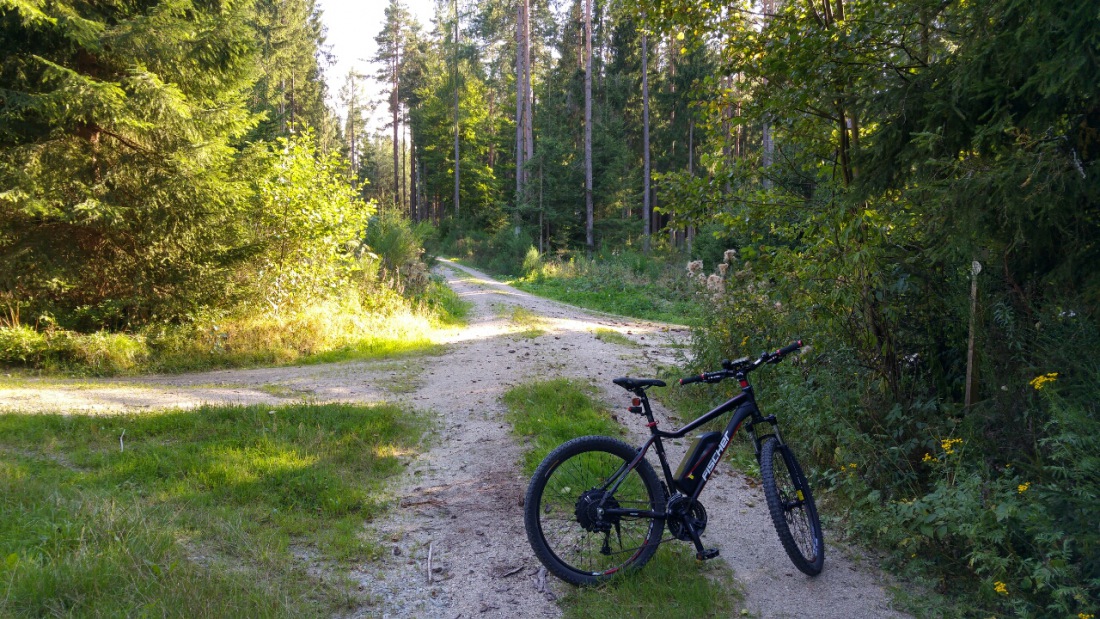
(701, 554)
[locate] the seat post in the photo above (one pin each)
(640, 392)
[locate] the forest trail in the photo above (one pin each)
(461, 502)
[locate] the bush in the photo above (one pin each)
(996, 504)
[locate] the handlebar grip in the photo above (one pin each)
(692, 379)
(786, 350)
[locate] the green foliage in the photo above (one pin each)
(911, 139)
(119, 201)
(310, 225)
(194, 512)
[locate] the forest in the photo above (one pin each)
(909, 186)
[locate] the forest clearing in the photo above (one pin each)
(197, 213)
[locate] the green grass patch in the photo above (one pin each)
(625, 284)
(614, 337)
(548, 413)
(220, 511)
(673, 583)
(527, 320)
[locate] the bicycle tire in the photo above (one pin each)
(569, 538)
(791, 504)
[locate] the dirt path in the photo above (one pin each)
(461, 501)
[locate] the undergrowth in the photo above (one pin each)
(382, 324)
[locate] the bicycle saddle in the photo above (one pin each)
(631, 384)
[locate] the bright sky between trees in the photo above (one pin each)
(351, 26)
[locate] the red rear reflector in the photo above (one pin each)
(636, 401)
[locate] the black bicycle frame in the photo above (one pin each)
(744, 405)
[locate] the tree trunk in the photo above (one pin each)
(647, 213)
(588, 232)
(395, 104)
(456, 113)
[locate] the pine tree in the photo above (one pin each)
(119, 200)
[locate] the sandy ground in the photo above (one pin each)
(456, 544)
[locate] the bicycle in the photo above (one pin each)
(595, 506)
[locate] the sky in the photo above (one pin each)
(351, 26)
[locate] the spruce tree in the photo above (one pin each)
(118, 201)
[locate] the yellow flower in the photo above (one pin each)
(1000, 587)
(1040, 381)
(1084, 615)
(1022, 488)
(927, 458)
(948, 444)
(852, 465)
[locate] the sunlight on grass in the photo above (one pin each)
(383, 325)
(199, 514)
(614, 337)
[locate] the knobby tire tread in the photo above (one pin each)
(793, 472)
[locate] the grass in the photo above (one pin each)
(614, 337)
(384, 325)
(548, 413)
(528, 320)
(673, 583)
(213, 512)
(627, 285)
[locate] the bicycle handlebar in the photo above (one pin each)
(744, 365)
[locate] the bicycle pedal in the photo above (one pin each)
(709, 553)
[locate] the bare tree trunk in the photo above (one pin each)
(528, 95)
(689, 234)
(647, 207)
(395, 104)
(404, 164)
(519, 101)
(456, 112)
(588, 232)
(414, 197)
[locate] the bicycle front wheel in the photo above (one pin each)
(565, 510)
(792, 507)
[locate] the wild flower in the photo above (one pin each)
(948, 445)
(729, 256)
(1085, 616)
(714, 283)
(1041, 381)
(695, 267)
(927, 458)
(1000, 587)
(1022, 488)
(722, 268)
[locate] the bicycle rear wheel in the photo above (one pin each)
(563, 514)
(792, 507)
